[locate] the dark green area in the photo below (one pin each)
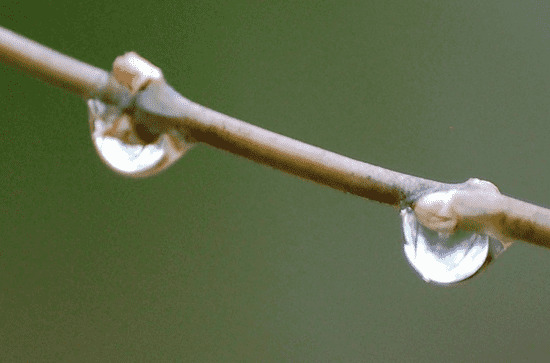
(221, 260)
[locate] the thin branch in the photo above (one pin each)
(160, 101)
(524, 221)
(58, 69)
(159, 105)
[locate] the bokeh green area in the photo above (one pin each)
(218, 259)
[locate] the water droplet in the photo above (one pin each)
(130, 148)
(445, 258)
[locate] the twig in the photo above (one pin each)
(58, 69)
(159, 105)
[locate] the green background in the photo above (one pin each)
(219, 259)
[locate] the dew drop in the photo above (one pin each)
(130, 148)
(444, 258)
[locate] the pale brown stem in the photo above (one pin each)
(525, 221)
(58, 69)
(159, 104)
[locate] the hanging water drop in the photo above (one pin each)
(128, 147)
(446, 258)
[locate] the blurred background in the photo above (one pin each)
(218, 259)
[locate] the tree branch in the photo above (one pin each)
(158, 105)
(58, 69)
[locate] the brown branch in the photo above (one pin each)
(159, 105)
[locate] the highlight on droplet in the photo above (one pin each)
(446, 258)
(126, 148)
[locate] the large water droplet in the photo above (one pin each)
(445, 258)
(130, 148)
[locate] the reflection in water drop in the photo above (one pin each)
(128, 148)
(446, 258)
